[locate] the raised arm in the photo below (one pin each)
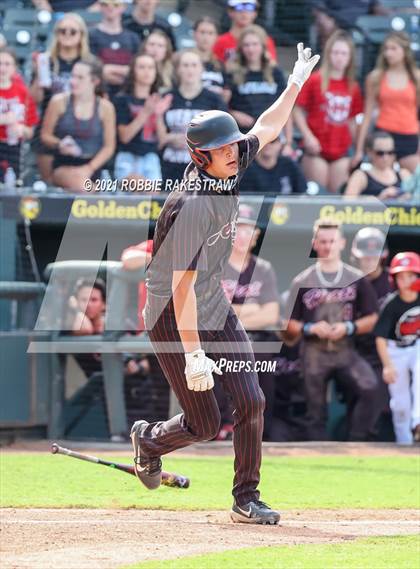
(272, 121)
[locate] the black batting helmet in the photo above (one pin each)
(369, 242)
(210, 130)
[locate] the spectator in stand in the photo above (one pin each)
(80, 128)
(65, 5)
(369, 253)
(205, 36)
(52, 72)
(86, 317)
(136, 111)
(188, 99)
(397, 340)
(394, 88)
(242, 15)
(18, 114)
(159, 47)
(87, 307)
(330, 302)
(272, 172)
(114, 46)
(256, 81)
(325, 111)
(381, 180)
(143, 21)
(250, 284)
(330, 15)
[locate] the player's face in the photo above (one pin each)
(328, 244)
(90, 302)
(405, 280)
(156, 47)
(224, 161)
(7, 66)
(145, 70)
(205, 36)
(252, 48)
(393, 52)
(340, 56)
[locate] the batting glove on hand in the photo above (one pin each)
(303, 66)
(199, 370)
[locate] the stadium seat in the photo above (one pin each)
(24, 18)
(401, 4)
(22, 41)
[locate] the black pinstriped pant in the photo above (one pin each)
(200, 420)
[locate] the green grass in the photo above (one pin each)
(37, 480)
(401, 552)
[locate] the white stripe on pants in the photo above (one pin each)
(405, 394)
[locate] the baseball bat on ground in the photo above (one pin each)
(168, 478)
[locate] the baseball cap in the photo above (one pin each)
(241, 6)
(247, 215)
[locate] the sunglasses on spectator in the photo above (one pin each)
(68, 31)
(384, 152)
(116, 4)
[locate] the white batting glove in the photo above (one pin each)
(303, 66)
(199, 371)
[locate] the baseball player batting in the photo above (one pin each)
(191, 246)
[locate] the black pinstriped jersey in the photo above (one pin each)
(195, 231)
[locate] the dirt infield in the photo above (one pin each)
(93, 538)
(78, 539)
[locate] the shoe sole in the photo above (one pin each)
(238, 519)
(149, 482)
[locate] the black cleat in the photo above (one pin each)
(148, 469)
(254, 513)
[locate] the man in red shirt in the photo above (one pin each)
(243, 14)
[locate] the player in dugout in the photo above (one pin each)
(187, 314)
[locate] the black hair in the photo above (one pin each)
(378, 135)
(99, 284)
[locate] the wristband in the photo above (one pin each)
(307, 328)
(295, 81)
(350, 327)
